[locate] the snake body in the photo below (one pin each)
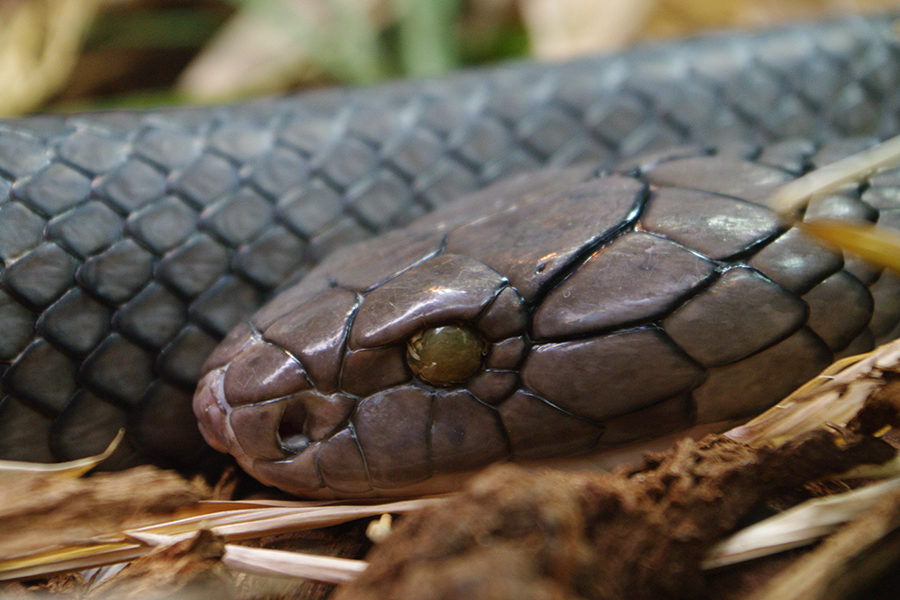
(132, 242)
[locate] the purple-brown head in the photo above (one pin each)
(544, 316)
(396, 363)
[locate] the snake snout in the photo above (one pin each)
(209, 411)
(258, 403)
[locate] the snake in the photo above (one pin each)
(379, 288)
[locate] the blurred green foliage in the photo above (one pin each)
(177, 27)
(420, 38)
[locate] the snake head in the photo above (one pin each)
(328, 385)
(504, 325)
(389, 367)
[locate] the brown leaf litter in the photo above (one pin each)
(639, 532)
(41, 513)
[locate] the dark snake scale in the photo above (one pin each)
(635, 294)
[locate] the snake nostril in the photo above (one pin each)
(292, 433)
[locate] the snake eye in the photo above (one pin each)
(445, 355)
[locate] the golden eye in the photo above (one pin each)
(445, 355)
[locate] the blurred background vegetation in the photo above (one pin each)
(88, 54)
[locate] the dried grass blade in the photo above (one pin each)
(879, 245)
(69, 559)
(835, 396)
(72, 468)
(249, 523)
(798, 526)
(787, 199)
(292, 564)
(233, 524)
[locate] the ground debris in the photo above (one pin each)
(40, 511)
(191, 569)
(639, 532)
(183, 568)
(845, 563)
